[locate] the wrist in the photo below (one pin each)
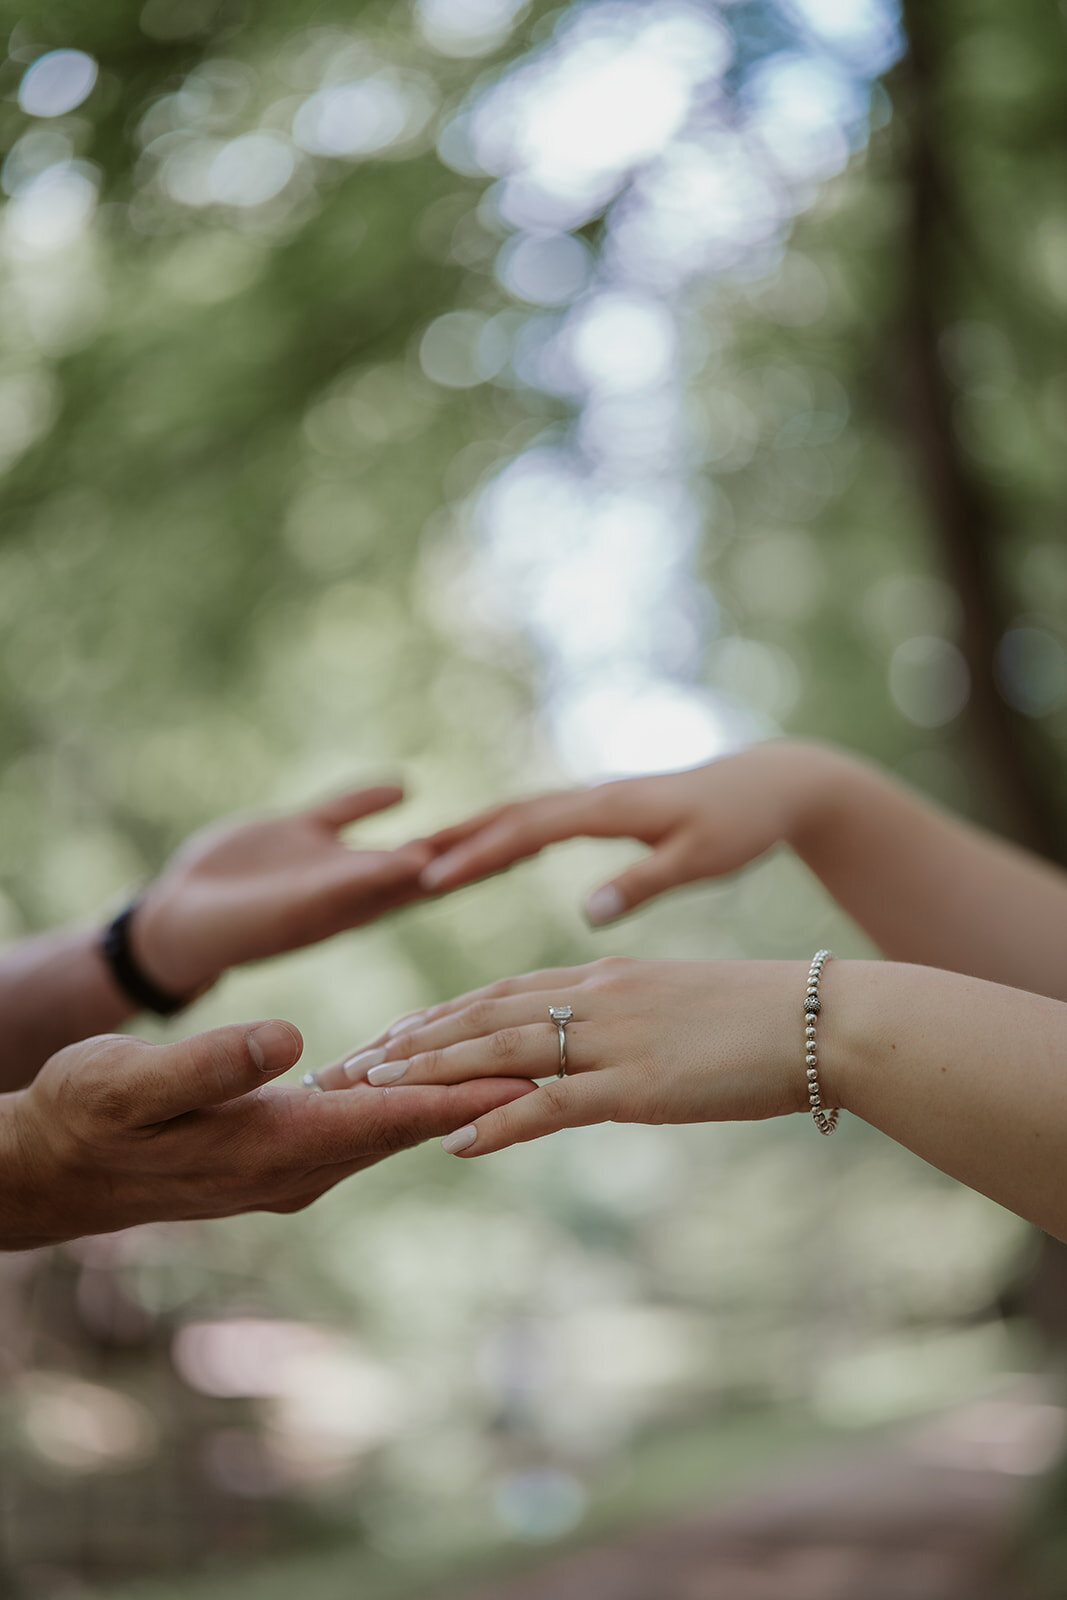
(852, 1023)
(158, 957)
(818, 782)
(28, 1186)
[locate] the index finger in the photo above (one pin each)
(367, 1123)
(513, 833)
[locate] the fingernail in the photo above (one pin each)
(436, 872)
(271, 1046)
(391, 1072)
(405, 1026)
(605, 904)
(310, 1081)
(462, 1139)
(358, 1065)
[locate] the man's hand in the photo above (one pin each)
(114, 1132)
(245, 891)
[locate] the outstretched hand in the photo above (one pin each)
(651, 1041)
(244, 891)
(114, 1132)
(703, 823)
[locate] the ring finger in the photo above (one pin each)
(532, 982)
(530, 1050)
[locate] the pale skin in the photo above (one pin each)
(956, 1046)
(112, 1131)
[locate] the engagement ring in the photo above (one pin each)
(561, 1015)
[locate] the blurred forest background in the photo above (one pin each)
(505, 394)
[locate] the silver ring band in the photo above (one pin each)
(561, 1015)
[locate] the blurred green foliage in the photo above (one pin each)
(234, 539)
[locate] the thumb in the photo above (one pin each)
(167, 1080)
(665, 868)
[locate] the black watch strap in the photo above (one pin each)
(134, 983)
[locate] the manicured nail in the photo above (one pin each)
(605, 904)
(391, 1072)
(357, 1066)
(436, 872)
(405, 1025)
(271, 1046)
(462, 1139)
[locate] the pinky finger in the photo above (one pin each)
(572, 1102)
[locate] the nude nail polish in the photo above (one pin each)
(405, 1025)
(604, 905)
(388, 1072)
(462, 1139)
(435, 873)
(357, 1066)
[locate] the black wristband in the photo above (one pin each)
(115, 946)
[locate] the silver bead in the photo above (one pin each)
(811, 1005)
(813, 1074)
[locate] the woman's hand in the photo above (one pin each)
(244, 891)
(114, 1132)
(651, 1041)
(698, 824)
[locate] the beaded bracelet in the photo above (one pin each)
(825, 1121)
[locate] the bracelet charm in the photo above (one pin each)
(825, 1119)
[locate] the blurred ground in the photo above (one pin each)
(927, 1516)
(927, 1510)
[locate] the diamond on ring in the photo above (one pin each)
(561, 1013)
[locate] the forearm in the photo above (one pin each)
(54, 990)
(926, 887)
(970, 1075)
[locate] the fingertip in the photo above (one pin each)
(460, 1142)
(605, 904)
(436, 874)
(359, 803)
(406, 1024)
(387, 794)
(275, 1045)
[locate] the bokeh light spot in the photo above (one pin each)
(56, 83)
(929, 681)
(250, 170)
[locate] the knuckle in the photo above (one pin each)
(388, 1138)
(428, 1062)
(95, 1095)
(506, 1044)
(613, 972)
(209, 1068)
(477, 1016)
(554, 1098)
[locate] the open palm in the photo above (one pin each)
(244, 891)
